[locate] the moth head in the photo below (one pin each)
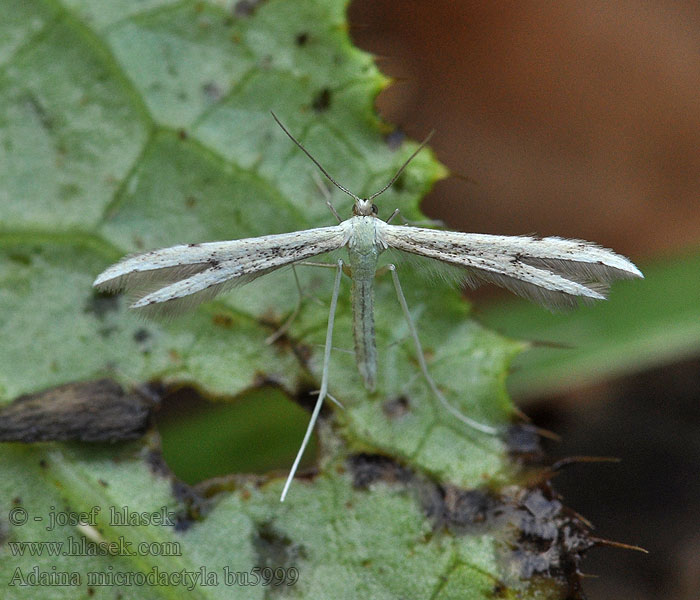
(364, 207)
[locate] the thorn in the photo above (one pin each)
(545, 433)
(611, 543)
(550, 344)
(550, 435)
(583, 519)
(575, 460)
(586, 575)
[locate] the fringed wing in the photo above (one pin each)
(174, 279)
(551, 271)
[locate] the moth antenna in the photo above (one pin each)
(403, 166)
(318, 164)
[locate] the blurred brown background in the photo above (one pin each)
(579, 119)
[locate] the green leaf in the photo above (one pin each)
(132, 125)
(643, 324)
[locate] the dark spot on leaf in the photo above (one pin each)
(396, 408)
(499, 591)
(68, 191)
(101, 303)
(222, 320)
(103, 483)
(212, 91)
(196, 505)
(301, 39)
(156, 462)
(106, 332)
(461, 510)
(19, 258)
(93, 411)
(303, 352)
(16, 500)
(174, 356)
(182, 134)
(91, 591)
(141, 335)
(322, 101)
(370, 468)
(43, 464)
(400, 183)
(183, 524)
(245, 8)
(190, 202)
(395, 139)
(276, 549)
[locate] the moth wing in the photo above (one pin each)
(551, 271)
(171, 280)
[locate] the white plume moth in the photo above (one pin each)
(551, 271)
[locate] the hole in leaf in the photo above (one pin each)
(257, 432)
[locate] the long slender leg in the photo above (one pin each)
(310, 263)
(421, 361)
(273, 337)
(326, 194)
(287, 324)
(434, 222)
(324, 381)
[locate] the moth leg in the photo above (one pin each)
(346, 268)
(326, 194)
(424, 367)
(272, 338)
(433, 222)
(323, 392)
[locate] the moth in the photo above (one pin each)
(551, 271)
